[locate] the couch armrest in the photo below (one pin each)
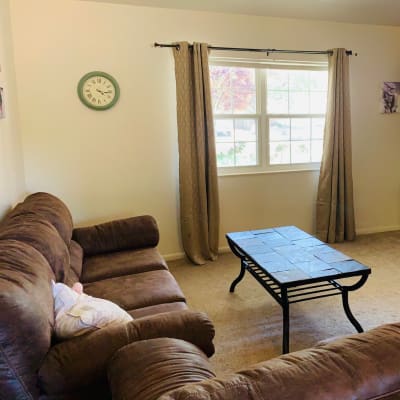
(122, 234)
(147, 369)
(81, 361)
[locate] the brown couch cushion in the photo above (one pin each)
(71, 278)
(99, 391)
(39, 233)
(118, 235)
(139, 290)
(121, 263)
(147, 369)
(158, 309)
(50, 208)
(76, 258)
(26, 318)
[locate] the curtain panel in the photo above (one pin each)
(198, 186)
(335, 208)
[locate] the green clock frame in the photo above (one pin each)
(87, 103)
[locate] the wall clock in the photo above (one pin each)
(98, 90)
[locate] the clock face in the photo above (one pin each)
(98, 90)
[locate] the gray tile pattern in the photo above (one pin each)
(289, 254)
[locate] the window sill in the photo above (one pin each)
(267, 172)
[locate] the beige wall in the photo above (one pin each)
(124, 161)
(12, 183)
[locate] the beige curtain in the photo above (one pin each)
(198, 186)
(335, 209)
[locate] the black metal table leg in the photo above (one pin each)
(239, 254)
(345, 299)
(239, 278)
(350, 316)
(286, 322)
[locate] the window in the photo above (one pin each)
(268, 117)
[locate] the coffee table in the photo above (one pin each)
(293, 266)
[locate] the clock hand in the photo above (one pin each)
(107, 92)
(100, 91)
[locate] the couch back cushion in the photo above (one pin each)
(76, 261)
(36, 231)
(76, 258)
(50, 208)
(26, 318)
(118, 235)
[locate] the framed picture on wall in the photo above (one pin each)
(390, 97)
(2, 114)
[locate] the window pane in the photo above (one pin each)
(277, 79)
(243, 79)
(316, 150)
(244, 102)
(298, 103)
(300, 152)
(245, 130)
(246, 153)
(236, 141)
(277, 102)
(223, 130)
(222, 101)
(279, 129)
(298, 80)
(317, 128)
(225, 154)
(220, 78)
(300, 129)
(233, 90)
(318, 102)
(319, 80)
(279, 152)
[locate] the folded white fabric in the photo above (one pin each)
(76, 314)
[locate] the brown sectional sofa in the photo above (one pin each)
(117, 261)
(163, 353)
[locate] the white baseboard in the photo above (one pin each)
(173, 256)
(181, 255)
(377, 229)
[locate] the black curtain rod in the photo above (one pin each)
(348, 52)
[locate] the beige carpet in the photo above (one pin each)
(248, 322)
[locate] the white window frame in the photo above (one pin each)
(262, 116)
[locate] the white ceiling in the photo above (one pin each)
(379, 12)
